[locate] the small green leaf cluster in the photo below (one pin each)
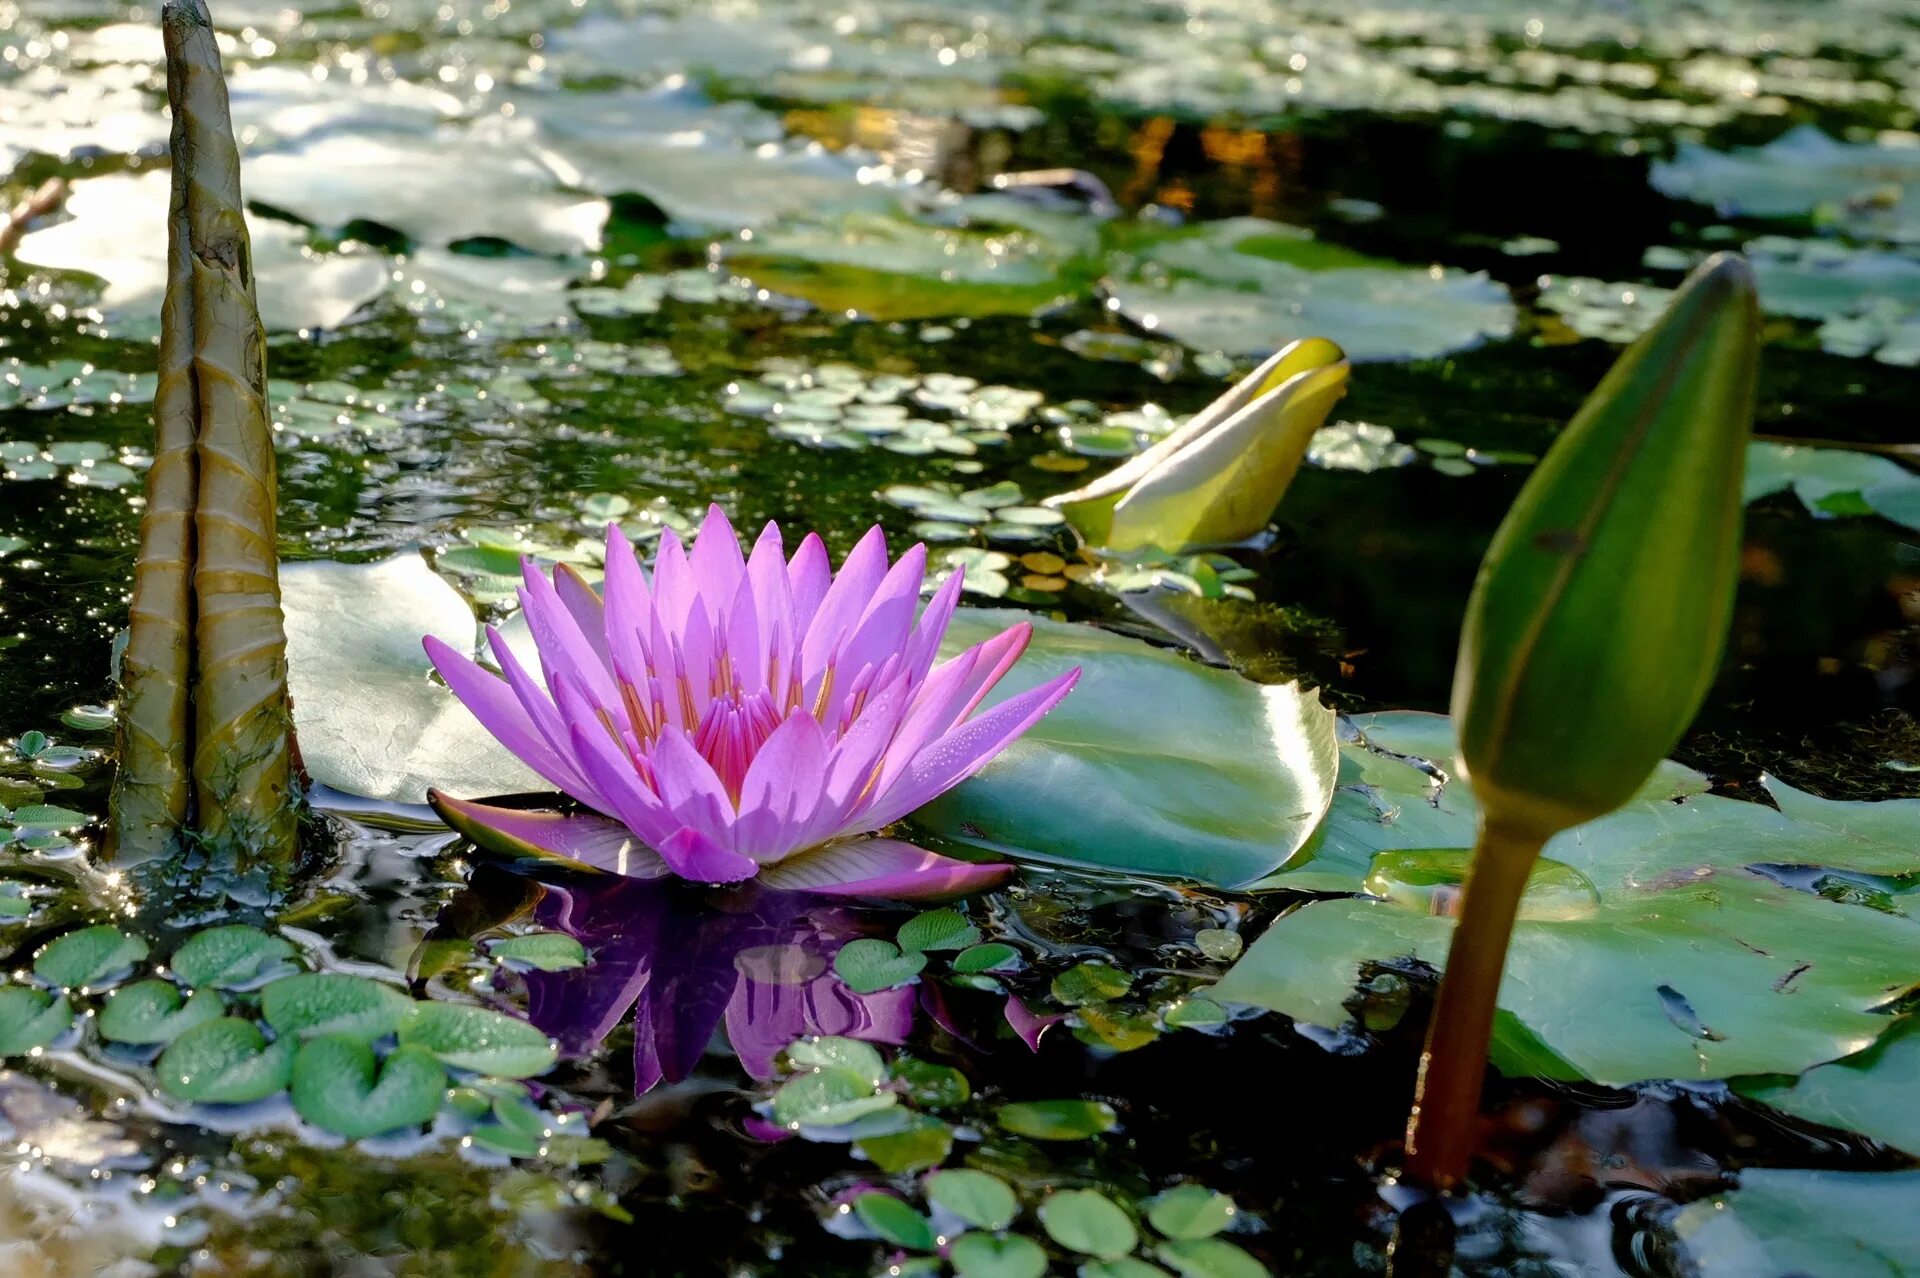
(1108, 1009)
(233, 1021)
(30, 766)
(870, 964)
(969, 1229)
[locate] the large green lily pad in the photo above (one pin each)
(1835, 481)
(1248, 287)
(1656, 942)
(111, 235)
(1876, 1093)
(372, 721)
(1154, 764)
(1797, 1224)
(1870, 189)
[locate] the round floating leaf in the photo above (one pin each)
(1873, 1093)
(937, 930)
(923, 1143)
(333, 1003)
(985, 1256)
(869, 965)
(1090, 983)
(224, 957)
(1125, 1267)
(479, 1039)
(371, 720)
(1687, 958)
(31, 1018)
(840, 1053)
(1089, 1222)
(1194, 1012)
(1835, 1224)
(44, 816)
(1190, 1211)
(1210, 1258)
(1174, 768)
(990, 957)
(828, 1098)
(932, 1086)
(980, 1199)
(894, 1221)
(334, 1086)
(227, 1061)
(1058, 1119)
(88, 955)
(543, 951)
(150, 1012)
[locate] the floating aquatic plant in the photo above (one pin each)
(739, 714)
(1566, 697)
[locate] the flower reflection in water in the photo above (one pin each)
(686, 960)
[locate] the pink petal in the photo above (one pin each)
(492, 701)
(965, 750)
(883, 628)
(695, 856)
(580, 840)
(811, 573)
(689, 787)
(1029, 1025)
(583, 603)
(881, 867)
(629, 604)
(563, 648)
(845, 602)
(782, 789)
(717, 565)
(924, 645)
(546, 717)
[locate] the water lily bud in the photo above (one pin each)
(1217, 479)
(1602, 605)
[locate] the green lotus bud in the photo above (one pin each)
(1217, 479)
(1602, 605)
(1591, 638)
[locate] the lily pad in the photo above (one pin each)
(333, 1003)
(1247, 287)
(1058, 1119)
(829, 1097)
(1875, 1093)
(832, 1052)
(894, 1221)
(987, 1256)
(1209, 1258)
(869, 965)
(937, 930)
(1834, 481)
(227, 1061)
(87, 956)
(1190, 1211)
(1654, 942)
(150, 1012)
(463, 182)
(1869, 189)
(1785, 1224)
(371, 720)
(225, 957)
(1089, 1222)
(1155, 764)
(109, 236)
(31, 1018)
(334, 1086)
(542, 951)
(979, 1198)
(479, 1039)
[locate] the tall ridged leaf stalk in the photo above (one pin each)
(1592, 636)
(206, 729)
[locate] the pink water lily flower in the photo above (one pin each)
(736, 717)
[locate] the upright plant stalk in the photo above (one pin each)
(153, 785)
(242, 749)
(1594, 630)
(206, 726)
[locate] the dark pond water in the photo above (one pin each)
(532, 265)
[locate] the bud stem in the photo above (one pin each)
(1446, 1104)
